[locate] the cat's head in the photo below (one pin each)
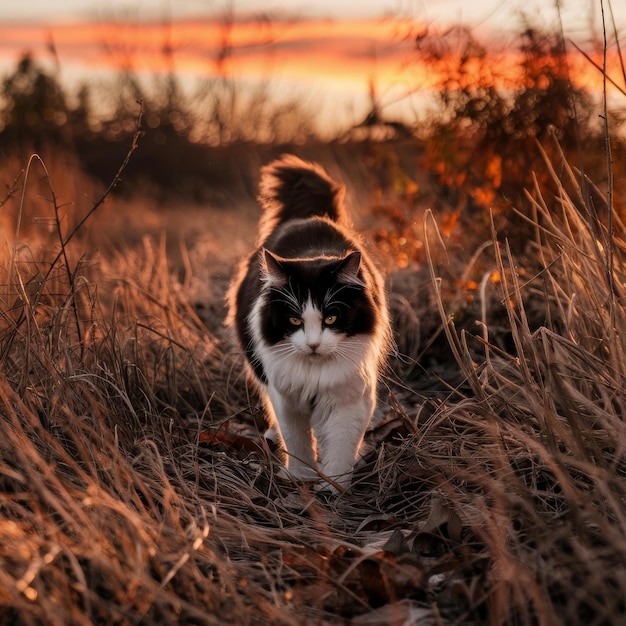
(315, 304)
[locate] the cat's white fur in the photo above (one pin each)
(323, 401)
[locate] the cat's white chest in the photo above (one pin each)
(311, 375)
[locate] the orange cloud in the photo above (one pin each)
(336, 54)
(347, 52)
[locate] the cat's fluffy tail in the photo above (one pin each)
(291, 188)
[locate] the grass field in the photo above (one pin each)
(135, 486)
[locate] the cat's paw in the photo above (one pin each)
(303, 474)
(273, 435)
(336, 479)
(329, 486)
(325, 490)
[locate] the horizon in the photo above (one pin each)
(340, 65)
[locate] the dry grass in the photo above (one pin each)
(134, 487)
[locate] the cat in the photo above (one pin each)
(310, 311)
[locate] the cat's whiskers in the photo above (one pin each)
(282, 348)
(287, 296)
(331, 296)
(355, 357)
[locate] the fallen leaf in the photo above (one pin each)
(225, 439)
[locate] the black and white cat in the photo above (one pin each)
(311, 314)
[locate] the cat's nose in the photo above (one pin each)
(314, 346)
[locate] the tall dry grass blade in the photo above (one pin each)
(460, 353)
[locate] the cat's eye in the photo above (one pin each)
(329, 320)
(295, 321)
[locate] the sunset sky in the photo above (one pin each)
(327, 48)
(576, 12)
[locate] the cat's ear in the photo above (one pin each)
(274, 274)
(348, 270)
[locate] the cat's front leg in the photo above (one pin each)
(294, 422)
(339, 430)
